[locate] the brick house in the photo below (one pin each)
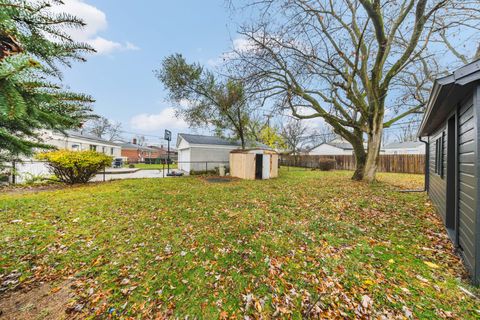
(162, 152)
(136, 153)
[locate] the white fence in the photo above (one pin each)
(29, 169)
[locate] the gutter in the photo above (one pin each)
(427, 167)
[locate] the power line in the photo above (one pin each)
(142, 134)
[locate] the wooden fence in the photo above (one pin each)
(400, 163)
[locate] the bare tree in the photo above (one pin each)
(350, 62)
(294, 134)
(407, 132)
(322, 134)
(104, 128)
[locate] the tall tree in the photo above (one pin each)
(294, 133)
(104, 128)
(33, 46)
(204, 100)
(271, 137)
(347, 61)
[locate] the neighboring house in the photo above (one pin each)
(135, 153)
(162, 152)
(71, 140)
(195, 150)
(80, 141)
(407, 147)
(332, 149)
(451, 125)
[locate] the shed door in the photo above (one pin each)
(266, 166)
(258, 166)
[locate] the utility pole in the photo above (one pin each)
(269, 115)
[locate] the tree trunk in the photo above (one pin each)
(360, 160)
(373, 154)
(356, 140)
(242, 139)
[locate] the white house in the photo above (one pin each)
(72, 140)
(80, 141)
(197, 152)
(332, 149)
(408, 147)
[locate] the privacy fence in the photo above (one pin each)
(399, 163)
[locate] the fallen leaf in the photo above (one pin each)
(431, 265)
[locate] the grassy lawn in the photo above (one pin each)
(308, 244)
(144, 166)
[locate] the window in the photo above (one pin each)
(75, 147)
(93, 147)
(104, 150)
(439, 155)
(111, 151)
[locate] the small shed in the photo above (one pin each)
(253, 164)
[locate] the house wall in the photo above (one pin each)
(467, 177)
(135, 155)
(467, 185)
(79, 144)
(418, 150)
(216, 156)
(183, 159)
(327, 150)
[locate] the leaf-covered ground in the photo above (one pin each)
(309, 244)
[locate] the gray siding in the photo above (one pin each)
(467, 181)
(438, 186)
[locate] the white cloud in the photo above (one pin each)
(166, 119)
(239, 45)
(243, 45)
(96, 22)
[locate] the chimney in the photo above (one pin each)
(134, 141)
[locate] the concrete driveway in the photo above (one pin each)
(130, 174)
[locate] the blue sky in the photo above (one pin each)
(131, 41)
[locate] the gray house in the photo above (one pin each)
(450, 126)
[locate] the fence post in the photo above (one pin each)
(163, 169)
(206, 167)
(103, 174)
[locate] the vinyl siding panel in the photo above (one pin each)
(467, 168)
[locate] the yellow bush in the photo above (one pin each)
(75, 166)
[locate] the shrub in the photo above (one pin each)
(75, 166)
(326, 164)
(131, 166)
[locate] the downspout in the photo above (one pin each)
(427, 167)
(427, 163)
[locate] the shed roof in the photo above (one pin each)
(446, 93)
(207, 140)
(267, 150)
